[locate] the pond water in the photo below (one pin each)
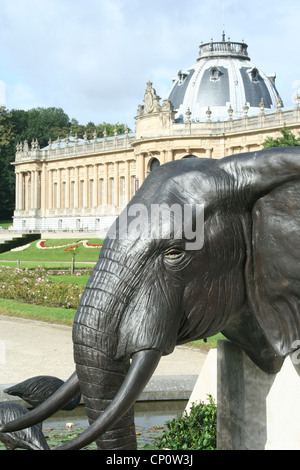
(149, 420)
(147, 414)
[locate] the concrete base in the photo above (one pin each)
(159, 388)
(256, 410)
(207, 381)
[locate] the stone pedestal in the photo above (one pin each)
(206, 383)
(256, 410)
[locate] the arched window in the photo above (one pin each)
(154, 164)
(215, 74)
(254, 74)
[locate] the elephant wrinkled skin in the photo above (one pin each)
(149, 293)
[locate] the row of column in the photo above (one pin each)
(81, 192)
(28, 190)
(47, 189)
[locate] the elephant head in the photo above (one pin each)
(162, 281)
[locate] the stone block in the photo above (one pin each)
(256, 410)
(206, 383)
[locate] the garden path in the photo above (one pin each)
(29, 348)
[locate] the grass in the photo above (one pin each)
(60, 254)
(208, 344)
(55, 265)
(6, 223)
(61, 316)
(81, 279)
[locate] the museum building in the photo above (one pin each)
(221, 105)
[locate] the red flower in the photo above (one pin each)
(71, 247)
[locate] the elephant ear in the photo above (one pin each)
(273, 268)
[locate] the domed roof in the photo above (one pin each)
(222, 78)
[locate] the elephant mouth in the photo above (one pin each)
(142, 366)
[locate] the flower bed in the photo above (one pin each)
(69, 246)
(33, 286)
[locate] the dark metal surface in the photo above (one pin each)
(38, 389)
(146, 295)
(31, 438)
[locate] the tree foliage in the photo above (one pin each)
(287, 139)
(42, 124)
(7, 177)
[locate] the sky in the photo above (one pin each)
(93, 58)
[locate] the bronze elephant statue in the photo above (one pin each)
(232, 267)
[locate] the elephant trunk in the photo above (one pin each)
(101, 377)
(117, 417)
(102, 363)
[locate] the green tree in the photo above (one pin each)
(7, 177)
(287, 139)
(46, 123)
(20, 124)
(110, 129)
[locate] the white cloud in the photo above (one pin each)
(22, 94)
(94, 58)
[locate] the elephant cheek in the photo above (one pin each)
(147, 328)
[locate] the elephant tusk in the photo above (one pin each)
(62, 396)
(142, 367)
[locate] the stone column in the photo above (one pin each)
(58, 179)
(32, 190)
(21, 191)
(209, 153)
(67, 189)
(86, 188)
(17, 193)
(44, 196)
(169, 156)
(140, 168)
(95, 189)
(127, 182)
(105, 181)
(76, 188)
(50, 190)
(26, 190)
(116, 186)
(37, 190)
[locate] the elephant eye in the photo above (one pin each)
(173, 254)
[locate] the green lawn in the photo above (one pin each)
(6, 223)
(61, 316)
(81, 279)
(59, 254)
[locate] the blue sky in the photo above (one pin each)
(93, 58)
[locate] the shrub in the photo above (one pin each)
(194, 431)
(33, 286)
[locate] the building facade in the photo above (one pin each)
(222, 105)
